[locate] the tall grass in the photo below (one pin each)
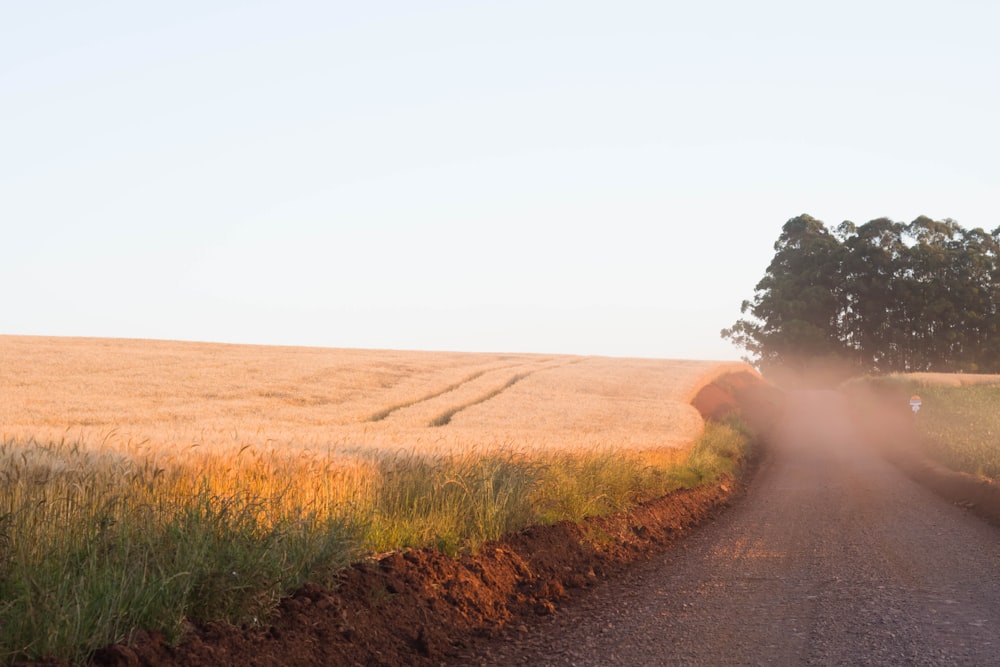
(95, 544)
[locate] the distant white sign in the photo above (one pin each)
(915, 403)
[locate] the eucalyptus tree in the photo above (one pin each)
(795, 312)
(873, 289)
(883, 296)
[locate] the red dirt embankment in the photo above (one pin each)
(744, 395)
(416, 607)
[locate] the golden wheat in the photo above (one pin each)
(170, 399)
(317, 428)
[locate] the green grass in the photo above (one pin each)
(573, 487)
(94, 546)
(959, 426)
(452, 503)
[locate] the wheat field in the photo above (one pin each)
(131, 395)
(147, 483)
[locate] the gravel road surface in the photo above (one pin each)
(832, 557)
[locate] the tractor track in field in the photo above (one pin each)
(445, 416)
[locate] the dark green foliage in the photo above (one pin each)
(880, 297)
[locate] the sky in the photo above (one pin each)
(548, 176)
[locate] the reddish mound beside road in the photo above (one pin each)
(742, 394)
(417, 607)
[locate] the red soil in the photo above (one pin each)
(743, 395)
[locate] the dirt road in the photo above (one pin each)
(833, 557)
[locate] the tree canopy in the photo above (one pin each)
(882, 297)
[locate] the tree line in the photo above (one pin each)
(881, 297)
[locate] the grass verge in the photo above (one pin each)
(957, 426)
(961, 427)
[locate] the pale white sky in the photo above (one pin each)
(539, 176)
